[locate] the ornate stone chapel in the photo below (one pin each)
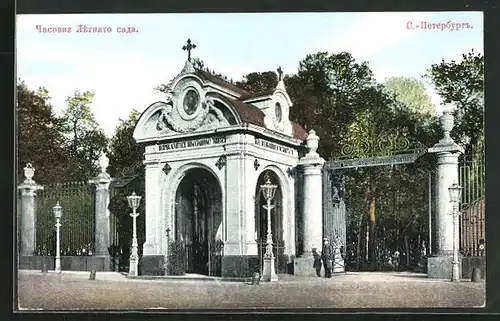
(208, 148)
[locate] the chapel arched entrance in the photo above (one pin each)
(276, 222)
(198, 220)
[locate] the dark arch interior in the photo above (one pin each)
(198, 220)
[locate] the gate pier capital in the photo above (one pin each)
(27, 216)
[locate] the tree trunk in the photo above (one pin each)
(407, 251)
(75, 140)
(372, 225)
(360, 231)
(358, 245)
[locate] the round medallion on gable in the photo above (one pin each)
(190, 102)
(278, 112)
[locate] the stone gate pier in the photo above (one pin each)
(447, 152)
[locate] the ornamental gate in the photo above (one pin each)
(78, 228)
(382, 150)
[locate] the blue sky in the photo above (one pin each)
(122, 69)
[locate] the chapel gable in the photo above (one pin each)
(196, 100)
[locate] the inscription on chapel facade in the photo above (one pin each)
(273, 146)
(192, 143)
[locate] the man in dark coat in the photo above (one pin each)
(327, 256)
(317, 262)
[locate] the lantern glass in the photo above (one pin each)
(134, 200)
(268, 190)
(57, 211)
(455, 192)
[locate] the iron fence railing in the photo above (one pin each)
(77, 222)
(472, 229)
(115, 235)
(471, 178)
(204, 258)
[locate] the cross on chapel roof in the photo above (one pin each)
(280, 73)
(188, 47)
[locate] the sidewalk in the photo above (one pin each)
(112, 290)
(393, 277)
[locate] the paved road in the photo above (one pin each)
(68, 291)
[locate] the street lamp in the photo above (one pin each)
(133, 202)
(268, 191)
(455, 195)
(58, 214)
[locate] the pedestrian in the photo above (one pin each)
(327, 257)
(317, 262)
(395, 260)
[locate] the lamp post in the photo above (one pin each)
(268, 190)
(134, 201)
(455, 195)
(58, 214)
(167, 252)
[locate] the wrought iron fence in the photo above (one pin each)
(197, 261)
(115, 235)
(77, 230)
(471, 179)
(472, 227)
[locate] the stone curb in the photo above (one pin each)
(187, 278)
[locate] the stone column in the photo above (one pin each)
(447, 152)
(312, 200)
(102, 197)
(155, 247)
(248, 204)
(234, 235)
(27, 217)
(154, 224)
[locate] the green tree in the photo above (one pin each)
(125, 166)
(258, 82)
(412, 93)
(462, 84)
(85, 139)
(125, 155)
(384, 126)
(326, 89)
(40, 141)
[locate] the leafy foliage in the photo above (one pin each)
(40, 141)
(257, 82)
(125, 165)
(411, 93)
(125, 155)
(329, 87)
(85, 140)
(462, 84)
